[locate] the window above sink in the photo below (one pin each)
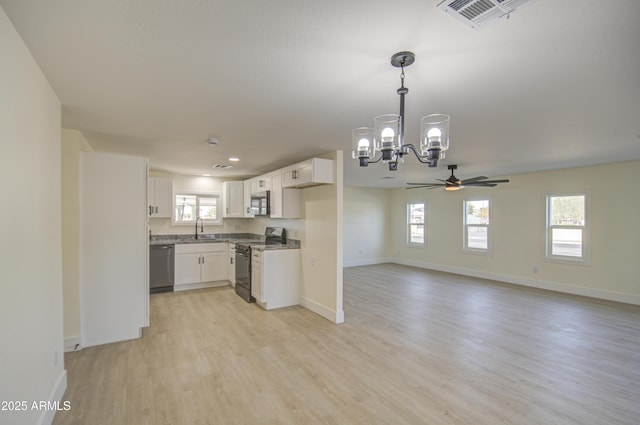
(189, 206)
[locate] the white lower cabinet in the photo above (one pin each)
(275, 277)
(200, 266)
(231, 264)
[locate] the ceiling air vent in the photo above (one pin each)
(222, 166)
(479, 13)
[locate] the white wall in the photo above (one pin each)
(366, 226)
(73, 142)
(518, 229)
(321, 247)
(31, 328)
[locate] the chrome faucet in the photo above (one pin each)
(201, 226)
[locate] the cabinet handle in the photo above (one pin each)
(150, 210)
(294, 174)
(231, 259)
(156, 210)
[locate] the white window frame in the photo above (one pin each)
(585, 259)
(466, 226)
(198, 195)
(409, 242)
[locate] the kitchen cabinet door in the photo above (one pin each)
(160, 197)
(247, 199)
(285, 202)
(231, 264)
(276, 277)
(256, 278)
(187, 268)
(233, 195)
(214, 266)
(308, 173)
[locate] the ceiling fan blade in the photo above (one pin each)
(495, 181)
(482, 184)
(425, 187)
(425, 184)
(474, 179)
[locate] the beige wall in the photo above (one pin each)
(73, 142)
(366, 226)
(518, 231)
(31, 329)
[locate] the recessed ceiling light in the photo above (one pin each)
(234, 159)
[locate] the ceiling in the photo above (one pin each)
(556, 85)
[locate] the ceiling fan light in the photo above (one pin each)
(451, 188)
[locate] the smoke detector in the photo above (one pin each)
(212, 141)
(479, 13)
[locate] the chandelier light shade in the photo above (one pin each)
(363, 149)
(387, 136)
(434, 136)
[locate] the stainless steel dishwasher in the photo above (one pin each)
(161, 268)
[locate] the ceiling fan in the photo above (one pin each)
(453, 183)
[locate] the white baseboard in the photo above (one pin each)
(366, 262)
(47, 416)
(534, 283)
(201, 285)
(326, 312)
(72, 343)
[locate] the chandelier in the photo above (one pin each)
(387, 134)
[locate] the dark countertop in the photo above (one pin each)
(254, 240)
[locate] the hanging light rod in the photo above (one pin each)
(387, 134)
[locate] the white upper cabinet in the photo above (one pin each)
(233, 198)
(284, 202)
(159, 197)
(260, 184)
(246, 210)
(308, 173)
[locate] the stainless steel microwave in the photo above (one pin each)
(260, 204)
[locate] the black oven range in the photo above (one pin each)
(273, 236)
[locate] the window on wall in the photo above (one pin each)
(566, 227)
(416, 224)
(476, 225)
(188, 207)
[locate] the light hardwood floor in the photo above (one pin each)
(417, 347)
